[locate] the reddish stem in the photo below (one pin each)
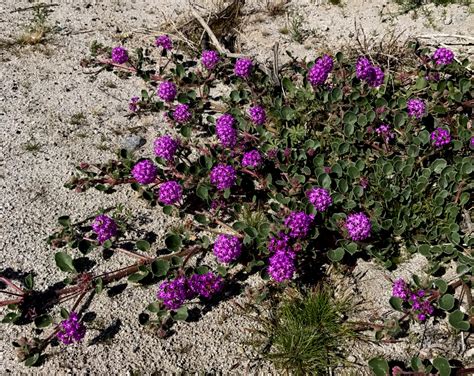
(12, 285)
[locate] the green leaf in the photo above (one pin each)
(446, 302)
(154, 307)
(143, 245)
(98, 285)
(439, 165)
(43, 321)
(32, 360)
(160, 267)
(64, 262)
(29, 281)
(464, 85)
(64, 313)
(441, 285)
(442, 365)
(202, 219)
(181, 314)
(10, 318)
(64, 221)
(186, 131)
(202, 192)
(456, 320)
(349, 129)
(400, 119)
(349, 118)
(396, 303)
(336, 255)
(173, 242)
(336, 94)
(416, 363)
(137, 277)
(421, 83)
(379, 366)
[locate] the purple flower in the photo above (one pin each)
(167, 91)
(71, 330)
(282, 266)
(164, 41)
(105, 228)
(223, 176)
(243, 67)
(145, 172)
(385, 132)
(206, 285)
(327, 63)
(471, 142)
(227, 248)
(363, 68)
(170, 192)
(317, 74)
(210, 59)
(358, 226)
(119, 55)
(400, 289)
(182, 114)
(132, 105)
(257, 115)
(173, 293)
(375, 77)
(299, 224)
(165, 147)
(443, 56)
(416, 108)
(225, 130)
(272, 153)
(280, 242)
(440, 137)
(252, 159)
(320, 198)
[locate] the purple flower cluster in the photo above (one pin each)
(165, 147)
(319, 72)
(227, 248)
(282, 265)
(257, 115)
(243, 67)
(443, 56)
(280, 242)
(71, 330)
(170, 192)
(252, 159)
(368, 72)
(105, 228)
(416, 298)
(416, 108)
(133, 104)
(175, 292)
(320, 198)
(164, 41)
(119, 55)
(182, 114)
(385, 132)
(225, 130)
(440, 137)
(210, 59)
(471, 142)
(358, 226)
(223, 176)
(167, 91)
(145, 172)
(299, 224)
(206, 285)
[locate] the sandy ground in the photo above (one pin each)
(48, 101)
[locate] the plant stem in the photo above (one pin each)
(12, 285)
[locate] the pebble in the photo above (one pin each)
(132, 143)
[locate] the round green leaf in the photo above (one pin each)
(64, 262)
(442, 365)
(396, 303)
(173, 242)
(446, 302)
(336, 255)
(181, 314)
(350, 118)
(143, 245)
(379, 366)
(43, 321)
(160, 267)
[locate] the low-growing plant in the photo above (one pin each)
(270, 172)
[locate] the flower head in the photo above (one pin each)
(443, 56)
(252, 159)
(416, 108)
(105, 228)
(170, 192)
(243, 67)
(173, 293)
(363, 68)
(145, 172)
(282, 266)
(385, 132)
(71, 330)
(320, 198)
(375, 77)
(132, 104)
(164, 41)
(317, 74)
(280, 242)
(165, 147)
(299, 224)
(167, 91)
(182, 114)
(210, 59)
(119, 55)
(226, 133)
(206, 285)
(257, 115)
(400, 289)
(358, 226)
(327, 62)
(223, 176)
(440, 137)
(227, 248)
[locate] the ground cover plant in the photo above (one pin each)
(276, 173)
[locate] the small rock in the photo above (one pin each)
(448, 20)
(132, 143)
